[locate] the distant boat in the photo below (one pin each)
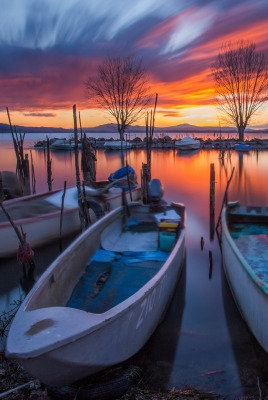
(245, 257)
(117, 145)
(242, 147)
(64, 144)
(39, 215)
(100, 301)
(188, 143)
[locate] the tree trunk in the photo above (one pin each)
(241, 131)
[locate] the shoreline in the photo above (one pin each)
(17, 384)
(168, 142)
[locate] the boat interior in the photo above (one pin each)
(248, 228)
(127, 258)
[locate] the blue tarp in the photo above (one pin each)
(130, 257)
(121, 173)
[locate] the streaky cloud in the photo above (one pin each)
(44, 114)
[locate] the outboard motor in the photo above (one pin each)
(155, 191)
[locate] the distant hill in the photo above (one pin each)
(112, 128)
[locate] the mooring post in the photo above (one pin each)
(49, 169)
(212, 201)
(26, 173)
(210, 264)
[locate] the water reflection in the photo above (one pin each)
(187, 153)
(251, 359)
(203, 342)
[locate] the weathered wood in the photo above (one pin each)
(32, 174)
(128, 182)
(1, 188)
(225, 201)
(61, 214)
(210, 264)
(212, 200)
(49, 168)
(81, 198)
(26, 172)
(22, 169)
(8, 392)
(145, 179)
(88, 161)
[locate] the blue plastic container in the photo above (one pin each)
(166, 240)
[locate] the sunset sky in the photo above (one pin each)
(48, 48)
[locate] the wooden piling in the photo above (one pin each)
(145, 179)
(225, 201)
(88, 161)
(61, 215)
(212, 201)
(26, 172)
(49, 169)
(128, 182)
(210, 264)
(2, 197)
(82, 204)
(32, 174)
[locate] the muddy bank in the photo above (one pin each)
(17, 384)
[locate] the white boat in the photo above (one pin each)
(188, 143)
(245, 255)
(117, 145)
(39, 215)
(64, 144)
(99, 302)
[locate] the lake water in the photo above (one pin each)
(203, 342)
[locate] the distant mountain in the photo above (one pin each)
(112, 128)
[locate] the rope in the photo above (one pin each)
(25, 253)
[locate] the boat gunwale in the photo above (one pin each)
(260, 284)
(100, 319)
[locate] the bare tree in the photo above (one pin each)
(241, 82)
(121, 88)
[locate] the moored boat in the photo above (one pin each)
(245, 255)
(99, 302)
(64, 144)
(39, 215)
(117, 145)
(188, 143)
(242, 147)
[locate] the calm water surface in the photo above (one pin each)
(203, 342)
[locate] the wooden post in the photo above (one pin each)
(128, 182)
(210, 264)
(61, 214)
(26, 172)
(33, 174)
(18, 149)
(81, 130)
(145, 178)
(212, 201)
(225, 201)
(49, 171)
(83, 211)
(88, 160)
(1, 188)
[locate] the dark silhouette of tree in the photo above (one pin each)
(241, 82)
(121, 88)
